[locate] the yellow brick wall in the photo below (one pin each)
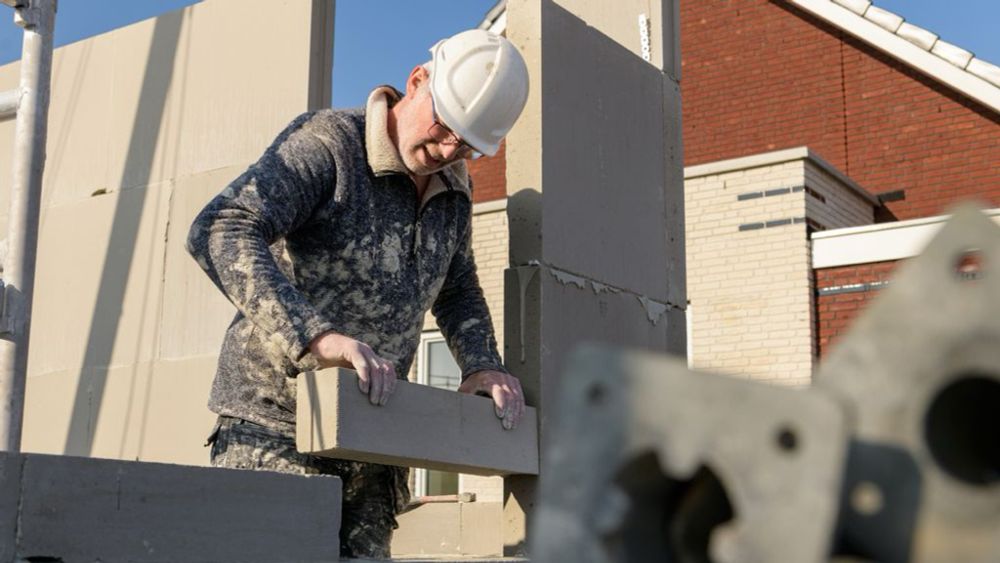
(749, 289)
(749, 267)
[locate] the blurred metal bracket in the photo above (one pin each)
(648, 461)
(919, 375)
(893, 455)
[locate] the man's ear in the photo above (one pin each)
(417, 77)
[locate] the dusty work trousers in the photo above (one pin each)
(373, 494)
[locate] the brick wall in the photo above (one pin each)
(489, 176)
(760, 75)
(830, 204)
(842, 293)
(748, 284)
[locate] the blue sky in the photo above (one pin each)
(379, 41)
(375, 41)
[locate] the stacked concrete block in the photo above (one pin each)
(61, 508)
(749, 264)
(146, 124)
(596, 211)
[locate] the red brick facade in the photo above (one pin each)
(489, 176)
(842, 293)
(760, 75)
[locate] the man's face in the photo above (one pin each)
(421, 153)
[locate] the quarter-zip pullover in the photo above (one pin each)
(325, 232)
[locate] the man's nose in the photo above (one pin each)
(449, 151)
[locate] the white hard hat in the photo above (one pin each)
(479, 84)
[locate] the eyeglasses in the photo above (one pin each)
(445, 136)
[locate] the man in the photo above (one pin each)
(334, 245)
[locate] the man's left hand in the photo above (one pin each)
(505, 389)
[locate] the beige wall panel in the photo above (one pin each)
(150, 412)
(79, 121)
(48, 410)
(169, 96)
(177, 418)
(431, 529)
(171, 109)
(198, 89)
(195, 312)
(97, 288)
(145, 115)
(449, 529)
(118, 417)
(481, 528)
(97, 414)
(234, 91)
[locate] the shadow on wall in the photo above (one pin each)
(121, 248)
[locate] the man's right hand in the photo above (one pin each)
(376, 376)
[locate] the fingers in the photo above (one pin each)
(378, 382)
(386, 375)
(508, 401)
(364, 375)
(376, 376)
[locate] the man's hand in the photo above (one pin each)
(508, 399)
(376, 376)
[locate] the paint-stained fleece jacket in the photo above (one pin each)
(325, 232)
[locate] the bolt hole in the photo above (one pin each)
(788, 440)
(596, 394)
(969, 265)
(960, 429)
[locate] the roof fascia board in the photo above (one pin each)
(883, 242)
(901, 49)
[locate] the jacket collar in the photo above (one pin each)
(383, 158)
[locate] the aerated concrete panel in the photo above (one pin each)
(596, 204)
(561, 311)
(601, 141)
(146, 123)
(10, 485)
(75, 509)
(421, 426)
(82, 257)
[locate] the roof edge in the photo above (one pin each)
(778, 157)
(906, 51)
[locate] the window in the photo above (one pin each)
(436, 367)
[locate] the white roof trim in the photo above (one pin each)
(938, 59)
(883, 242)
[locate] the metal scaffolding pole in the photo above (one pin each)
(37, 17)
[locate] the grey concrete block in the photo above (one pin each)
(552, 315)
(82, 509)
(605, 185)
(420, 426)
(10, 482)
